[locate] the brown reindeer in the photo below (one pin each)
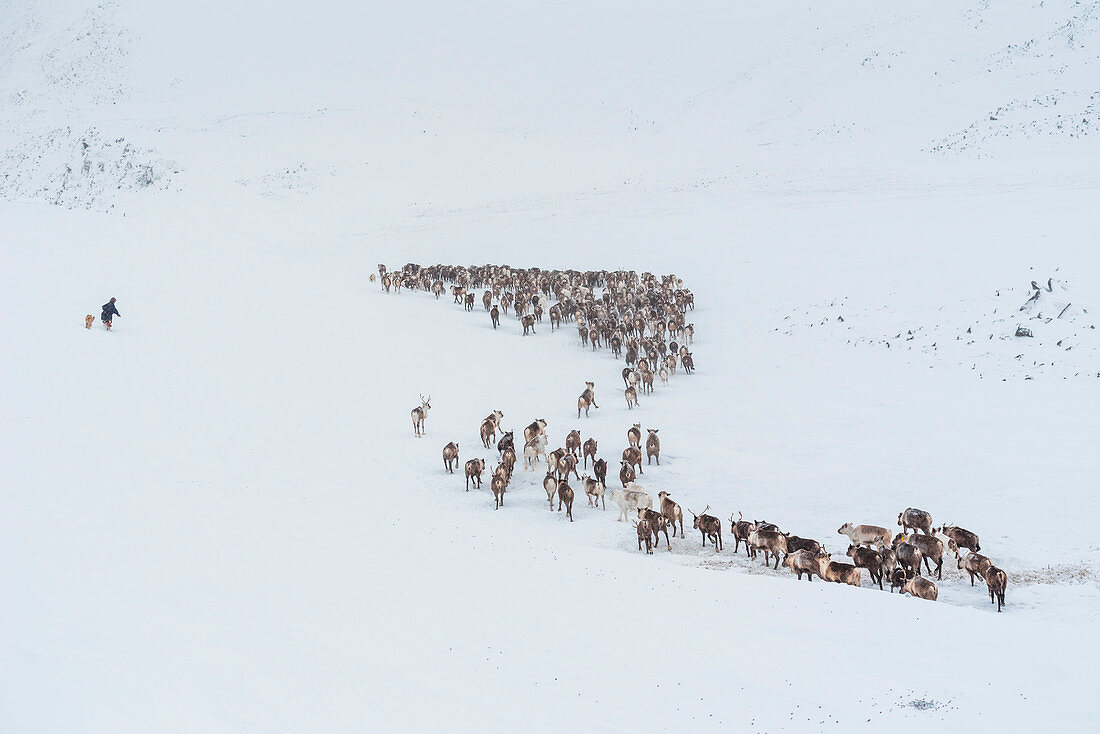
(506, 442)
(488, 432)
(870, 559)
(709, 526)
(594, 489)
(974, 564)
(996, 581)
(537, 428)
(508, 458)
(916, 519)
(838, 573)
(634, 435)
(740, 529)
(573, 442)
(528, 322)
(450, 457)
(657, 524)
(474, 468)
(653, 446)
(631, 396)
(420, 415)
(802, 562)
(587, 399)
(599, 468)
(962, 538)
(550, 484)
(567, 464)
(671, 512)
(494, 316)
(589, 450)
(468, 304)
(565, 495)
(921, 588)
(634, 457)
(487, 299)
(500, 486)
(626, 473)
(645, 535)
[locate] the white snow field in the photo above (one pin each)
(216, 518)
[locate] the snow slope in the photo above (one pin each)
(216, 517)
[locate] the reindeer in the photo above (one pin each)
(468, 305)
(528, 322)
(803, 562)
(740, 529)
(921, 588)
(653, 446)
(565, 494)
(961, 538)
(474, 468)
(671, 512)
(663, 374)
(506, 442)
(633, 456)
(489, 428)
(870, 559)
(550, 485)
(532, 450)
(494, 316)
(688, 363)
(709, 526)
(487, 299)
(771, 542)
(599, 468)
(419, 415)
(634, 435)
(567, 464)
(450, 457)
(499, 485)
(587, 399)
(631, 396)
(647, 382)
(657, 524)
(594, 489)
(916, 519)
(573, 442)
(974, 564)
(626, 473)
(645, 535)
(589, 450)
(537, 428)
(996, 581)
(508, 459)
(838, 573)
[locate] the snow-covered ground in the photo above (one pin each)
(216, 518)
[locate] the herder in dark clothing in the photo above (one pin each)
(109, 312)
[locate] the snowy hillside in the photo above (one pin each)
(217, 518)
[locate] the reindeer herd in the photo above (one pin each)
(631, 315)
(642, 319)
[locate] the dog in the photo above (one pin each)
(88, 321)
